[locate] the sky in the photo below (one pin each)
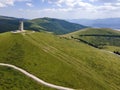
(62, 9)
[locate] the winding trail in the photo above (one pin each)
(36, 78)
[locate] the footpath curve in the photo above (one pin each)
(36, 78)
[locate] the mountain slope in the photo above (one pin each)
(60, 61)
(57, 26)
(11, 24)
(101, 38)
(8, 23)
(45, 24)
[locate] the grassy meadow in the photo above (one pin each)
(59, 61)
(13, 80)
(102, 38)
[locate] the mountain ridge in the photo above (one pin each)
(56, 26)
(99, 23)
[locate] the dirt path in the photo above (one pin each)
(35, 78)
(110, 52)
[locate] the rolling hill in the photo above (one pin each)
(57, 26)
(40, 24)
(59, 60)
(101, 38)
(8, 23)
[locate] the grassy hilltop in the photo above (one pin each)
(60, 61)
(102, 38)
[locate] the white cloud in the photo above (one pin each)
(29, 4)
(4, 3)
(111, 1)
(82, 9)
(68, 2)
(65, 2)
(118, 4)
(70, 8)
(42, 0)
(93, 0)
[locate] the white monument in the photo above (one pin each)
(21, 27)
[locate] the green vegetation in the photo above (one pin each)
(100, 38)
(57, 26)
(61, 61)
(41, 24)
(8, 24)
(13, 80)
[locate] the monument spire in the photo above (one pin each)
(21, 27)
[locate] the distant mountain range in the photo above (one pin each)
(40, 24)
(113, 23)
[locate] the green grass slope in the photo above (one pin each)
(60, 61)
(12, 80)
(101, 38)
